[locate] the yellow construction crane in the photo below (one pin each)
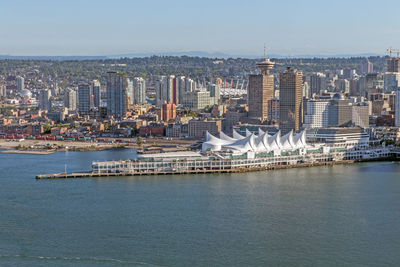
(393, 50)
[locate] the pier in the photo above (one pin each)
(171, 172)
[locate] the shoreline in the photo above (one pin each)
(29, 152)
(31, 146)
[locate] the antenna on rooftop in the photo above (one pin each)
(265, 50)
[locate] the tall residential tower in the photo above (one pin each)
(117, 100)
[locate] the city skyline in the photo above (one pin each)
(99, 28)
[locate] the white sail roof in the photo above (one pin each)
(237, 136)
(226, 137)
(262, 143)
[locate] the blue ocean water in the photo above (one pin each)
(344, 215)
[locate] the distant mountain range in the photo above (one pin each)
(178, 54)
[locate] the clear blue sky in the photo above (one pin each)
(290, 27)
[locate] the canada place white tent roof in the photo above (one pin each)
(255, 143)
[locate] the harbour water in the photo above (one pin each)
(344, 215)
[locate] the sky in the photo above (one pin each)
(112, 27)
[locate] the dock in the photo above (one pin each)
(185, 171)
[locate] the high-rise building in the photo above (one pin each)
(374, 83)
(161, 90)
(44, 100)
(397, 109)
(273, 109)
(96, 93)
(391, 81)
(366, 67)
(3, 92)
(360, 115)
(317, 114)
(290, 100)
(130, 92)
(355, 87)
(197, 100)
(215, 92)
(190, 85)
(117, 100)
(343, 85)
(70, 99)
(337, 111)
(340, 111)
(181, 84)
(85, 99)
(261, 91)
(20, 83)
(139, 90)
(172, 90)
(393, 64)
(168, 111)
(317, 84)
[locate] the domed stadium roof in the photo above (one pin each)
(338, 96)
(25, 93)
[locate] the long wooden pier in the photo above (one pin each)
(199, 171)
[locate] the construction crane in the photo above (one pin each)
(393, 50)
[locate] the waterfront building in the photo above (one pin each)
(199, 128)
(232, 117)
(360, 114)
(290, 100)
(340, 111)
(348, 137)
(177, 130)
(336, 111)
(317, 113)
(44, 100)
(168, 112)
(139, 90)
(70, 99)
(117, 99)
(85, 99)
(20, 83)
(261, 91)
(96, 93)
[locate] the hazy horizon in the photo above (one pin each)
(103, 28)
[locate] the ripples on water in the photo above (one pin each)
(341, 215)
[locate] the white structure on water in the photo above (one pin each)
(253, 143)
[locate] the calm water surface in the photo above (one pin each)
(324, 216)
